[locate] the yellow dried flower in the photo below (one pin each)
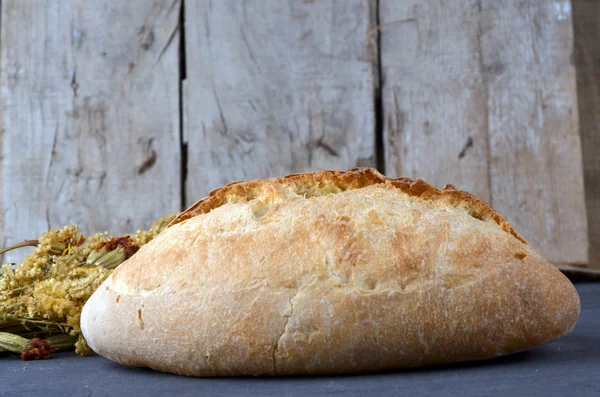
(49, 288)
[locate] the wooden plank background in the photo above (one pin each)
(434, 97)
(90, 115)
(283, 87)
(535, 152)
(115, 114)
(483, 95)
(586, 19)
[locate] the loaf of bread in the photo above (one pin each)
(328, 272)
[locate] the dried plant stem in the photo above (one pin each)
(12, 343)
(16, 289)
(27, 243)
(62, 341)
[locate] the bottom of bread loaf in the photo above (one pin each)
(326, 328)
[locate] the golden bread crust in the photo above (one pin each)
(354, 178)
(279, 278)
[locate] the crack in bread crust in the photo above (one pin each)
(321, 183)
(284, 331)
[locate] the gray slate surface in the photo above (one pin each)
(570, 366)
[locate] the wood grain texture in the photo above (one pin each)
(90, 113)
(276, 87)
(434, 96)
(535, 152)
(586, 23)
(501, 73)
(1, 154)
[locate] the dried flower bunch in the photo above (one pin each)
(41, 299)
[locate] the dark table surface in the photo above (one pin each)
(570, 366)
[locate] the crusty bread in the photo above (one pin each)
(328, 272)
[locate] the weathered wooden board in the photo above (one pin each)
(499, 72)
(1, 153)
(434, 97)
(586, 23)
(274, 87)
(90, 112)
(535, 152)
